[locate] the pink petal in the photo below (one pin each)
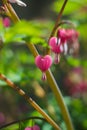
(44, 76)
(36, 127)
(28, 128)
(62, 35)
(57, 58)
(43, 63)
(55, 47)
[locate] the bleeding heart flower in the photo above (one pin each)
(43, 63)
(71, 35)
(69, 40)
(35, 127)
(19, 2)
(56, 47)
(62, 35)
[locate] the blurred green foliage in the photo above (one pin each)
(17, 63)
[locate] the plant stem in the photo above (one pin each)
(58, 19)
(13, 14)
(48, 51)
(59, 99)
(30, 101)
(50, 77)
(56, 91)
(70, 23)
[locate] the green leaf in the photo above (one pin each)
(71, 6)
(38, 40)
(74, 62)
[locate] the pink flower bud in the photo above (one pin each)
(35, 127)
(43, 63)
(6, 22)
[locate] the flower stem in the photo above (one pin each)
(58, 19)
(30, 101)
(13, 14)
(50, 78)
(59, 99)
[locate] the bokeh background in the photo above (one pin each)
(17, 63)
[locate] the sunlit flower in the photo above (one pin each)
(19, 2)
(43, 63)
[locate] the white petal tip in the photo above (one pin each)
(21, 3)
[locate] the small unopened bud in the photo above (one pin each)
(35, 127)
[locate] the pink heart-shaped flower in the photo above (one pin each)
(55, 45)
(43, 63)
(35, 127)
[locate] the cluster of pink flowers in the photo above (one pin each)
(64, 41)
(75, 83)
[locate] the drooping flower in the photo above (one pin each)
(35, 127)
(67, 35)
(56, 47)
(19, 2)
(69, 40)
(71, 35)
(6, 22)
(43, 63)
(61, 34)
(72, 41)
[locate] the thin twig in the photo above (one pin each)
(58, 19)
(22, 120)
(30, 101)
(68, 22)
(48, 51)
